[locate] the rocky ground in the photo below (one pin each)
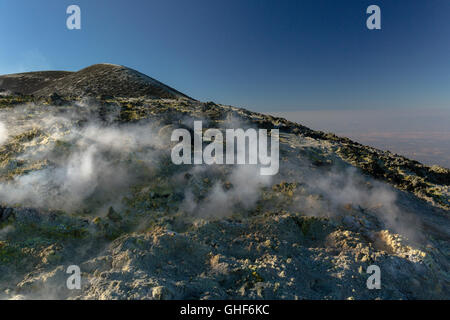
(89, 182)
(95, 80)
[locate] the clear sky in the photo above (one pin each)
(263, 55)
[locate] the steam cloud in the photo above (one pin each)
(75, 162)
(72, 162)
(3, 133)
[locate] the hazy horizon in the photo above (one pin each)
(418, 134)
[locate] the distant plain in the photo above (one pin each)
(422, 135)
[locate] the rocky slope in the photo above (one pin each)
(28, 83)
(86, 179)
(100, 79)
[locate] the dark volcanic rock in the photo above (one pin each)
(28, 83)
(97, 80)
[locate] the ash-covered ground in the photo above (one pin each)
(90, 182)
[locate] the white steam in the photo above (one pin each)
(72, 163)
(3, 134)
(69, 162)
(244, 189)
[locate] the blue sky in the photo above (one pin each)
(263, 55)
